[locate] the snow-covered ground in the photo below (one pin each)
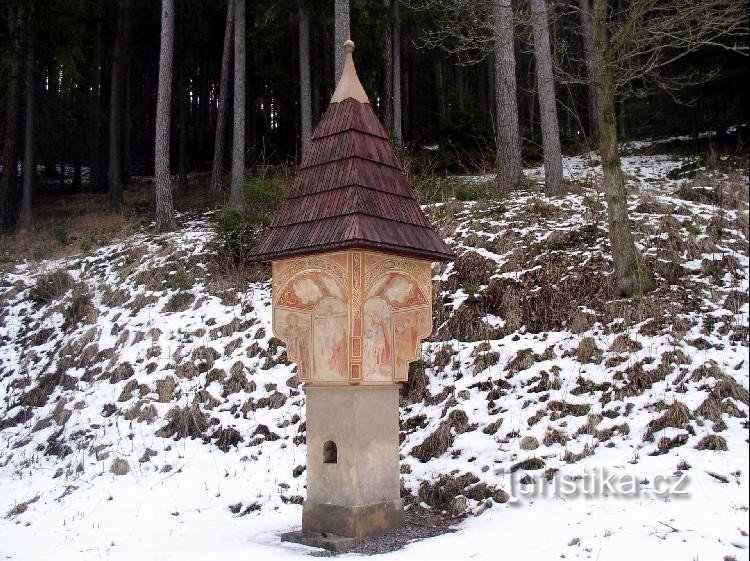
(536, 375)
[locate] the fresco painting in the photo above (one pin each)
(325, 306)
(408, 330)
(331, 341)
(294, 328)
(305, 290)
(399, 290)
(377, 341)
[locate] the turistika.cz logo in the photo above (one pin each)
(595, 483)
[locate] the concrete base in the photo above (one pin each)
(357, 522)
(336, 544)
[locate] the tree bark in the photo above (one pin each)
(164, 206)
(341, 28)
(127, 131)
(217, 172)
(9, 177)
(117, 106)
(236, 195)
(440, 92)
(508, 148)
(587, 35)
(398, 137)
(553, 177)
(388, 72)
(25, 219)
(304, 78)
(182, 149)
(631, 274)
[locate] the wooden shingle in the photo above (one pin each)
(350, 191)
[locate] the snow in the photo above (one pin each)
(176, 504)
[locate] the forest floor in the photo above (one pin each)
(146, 411)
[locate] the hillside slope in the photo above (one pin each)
(147, 410)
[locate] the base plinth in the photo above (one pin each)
(336, 544)
(357, 522)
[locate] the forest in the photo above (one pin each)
(96, 94)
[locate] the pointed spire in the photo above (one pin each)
(349, 84)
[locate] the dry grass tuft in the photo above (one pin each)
(127, 391)
(588, 352)
(554, 435)
(21, 507)
(80, 309)
(184, 422)
(441, 494)
(712, 442)
(676, 416)
(205, 357)
(39, 394)
(51, 286)
(165, 388)
(121, 372)
(238, 382)
(227, 437)
(493, 427)
(187, 370)
(472, 270)
(119, 466)
(523, 360)
(415, 390)
(179, 302)
(624, 344)
(437, 443)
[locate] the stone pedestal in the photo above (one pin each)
(353, 487)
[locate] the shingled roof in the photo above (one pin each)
(350, 190)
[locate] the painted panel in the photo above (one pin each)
(295, 329)
(377, 341)
(354, 316)
(331, 341)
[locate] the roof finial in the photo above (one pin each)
(349, 84)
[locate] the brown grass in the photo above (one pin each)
(237, 381)
(179, 302)
(588, 352)
(676, 416)
(21, 507)
(51, 286)
(119, 466)
(437, 443)
(712, 442)
(184, 422)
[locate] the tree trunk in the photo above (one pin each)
(28, 153)
(508, 155)
(164, 208)
(304, 78)
(341, 25)
(547, 104)
(632, 276)
(587, 35)
(217, 172)
(9, 178)
(127, 132)
(117, 106)
(411, 91)
(532, 98)
(182, 150)
(236, 195)
(398, 137)
(387, 113)
(440, 92)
